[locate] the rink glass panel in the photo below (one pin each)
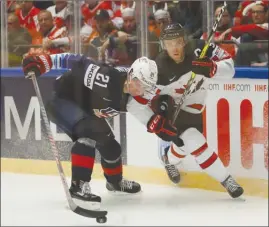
(22, 131)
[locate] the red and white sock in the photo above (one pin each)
(210, 162)
(196, 145)
(175, 154)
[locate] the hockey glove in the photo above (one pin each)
(163, 105)
(204, 66)
(37, 64)
(161, 127)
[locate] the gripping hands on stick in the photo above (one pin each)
(36, 65)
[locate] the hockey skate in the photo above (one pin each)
(170, 169)
(232, 187)
(125, 186)
(81, 192)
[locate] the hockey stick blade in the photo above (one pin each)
(98, 214)
(90, 213)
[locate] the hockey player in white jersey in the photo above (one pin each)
(175, 65)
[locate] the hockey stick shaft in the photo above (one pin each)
(72, 205)
(203, 54)
(50, 137)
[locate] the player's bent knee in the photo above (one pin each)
(84, 146)
(110, 151)
(193, 141)
(87, 142)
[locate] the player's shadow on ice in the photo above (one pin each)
(175, 198)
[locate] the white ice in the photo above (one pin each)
(39, 200)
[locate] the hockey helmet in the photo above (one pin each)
(172, 31)
(145, 70)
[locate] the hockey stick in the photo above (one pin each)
(203, 53)
(99, 215)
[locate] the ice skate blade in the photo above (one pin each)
(87, 204)
(174, 183)
(125, 194)
(240, 199)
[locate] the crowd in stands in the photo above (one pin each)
(110, 32)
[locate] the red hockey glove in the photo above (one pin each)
(162, 128)
(204, 66)
(163, 105)
(37, 64)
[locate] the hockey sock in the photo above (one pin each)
(82, 159)
(210, 163)
(111, 161)
(175, 154)
(112, 170)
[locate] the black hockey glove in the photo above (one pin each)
(37, 64)
(204, 66)
(162, 128)
(163, 105)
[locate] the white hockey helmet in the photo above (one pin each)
(145, 70)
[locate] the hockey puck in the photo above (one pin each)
(101, 220)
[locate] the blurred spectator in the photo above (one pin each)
(88, 11)
(59, 12)
(19, 40)
(54, 40)
(104, 29)
(12, 6)
(162, 18)
(242, 14)
(190, 16)
(152, 23)
(122, 47)
(129, 21)
(223, 25)
(42, 5)
(254, 54)
(232, 7)
(27, 15)
(90, 7)
(258, 30)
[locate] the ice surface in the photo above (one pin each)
(39, 200)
